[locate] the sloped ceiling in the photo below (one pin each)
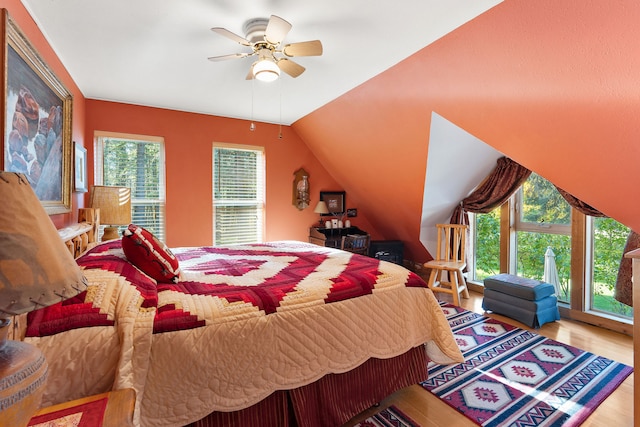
(154, 52)
(551, 84)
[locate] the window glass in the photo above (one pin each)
(543, 222)
(609, 238)
(540, 205)
(238, 195)
(139, 165)
(486, 241)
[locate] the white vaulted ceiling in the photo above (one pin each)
(154, 52)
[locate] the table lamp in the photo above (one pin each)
(321, 208)
(36, 270)
(115, 208)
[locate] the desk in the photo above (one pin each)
(331, 237)
(117, 413)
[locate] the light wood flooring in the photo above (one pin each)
(616, 411)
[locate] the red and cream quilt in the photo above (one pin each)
(244, 321)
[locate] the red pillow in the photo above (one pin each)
(149, 254)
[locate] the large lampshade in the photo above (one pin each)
(36, 270)
(115, 207)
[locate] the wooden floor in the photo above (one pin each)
(616, 411)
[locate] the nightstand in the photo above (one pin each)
(117, 406)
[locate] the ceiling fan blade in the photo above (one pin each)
(230, 56)
(290, 67)
(277, 29)
(310, 48)
(228, 34)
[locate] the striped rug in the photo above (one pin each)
(389, 417)
(514, 377)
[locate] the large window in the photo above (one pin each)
(538, 227)
(238, 194)
(136, 162)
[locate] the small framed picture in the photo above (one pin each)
(335, 201)
(80, 168)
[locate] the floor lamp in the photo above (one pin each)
(36, 270)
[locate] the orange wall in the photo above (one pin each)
(188, 141)
(554, 86)
(20, 15)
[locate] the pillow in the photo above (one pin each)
(149, 254)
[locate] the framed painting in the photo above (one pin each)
(36, 137)
(335, 201)
(79, 168)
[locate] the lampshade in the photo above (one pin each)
(36, 270)
(321, 208)
(115, 207)
(266, 70)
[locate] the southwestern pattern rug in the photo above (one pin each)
(389, 417)
(515, 377)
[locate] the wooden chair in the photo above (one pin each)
(356, 243)
(446, 268)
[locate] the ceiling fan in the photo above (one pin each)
(264, 37)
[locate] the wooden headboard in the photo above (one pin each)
(82, 236)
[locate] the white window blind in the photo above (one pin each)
(138, 163)
(238, 194)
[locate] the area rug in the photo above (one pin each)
(514, 377)
(389, 417)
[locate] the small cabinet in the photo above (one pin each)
(331, 237)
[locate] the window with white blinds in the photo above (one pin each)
(136, 162)
(238, 194)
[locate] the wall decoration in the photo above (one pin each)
(79, 168)
(301, 189)
(37, 121)
(335, 201)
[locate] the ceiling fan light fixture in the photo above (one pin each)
(266, 70)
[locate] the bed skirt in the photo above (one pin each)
(332, 400)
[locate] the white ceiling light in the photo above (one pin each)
(266, 70)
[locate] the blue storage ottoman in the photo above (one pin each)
(529, 301)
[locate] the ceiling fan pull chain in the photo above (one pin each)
(252, 126)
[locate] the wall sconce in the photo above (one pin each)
(301, 198)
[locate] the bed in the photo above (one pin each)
(281, 333)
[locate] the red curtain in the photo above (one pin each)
(504, 180)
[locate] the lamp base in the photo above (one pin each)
(23, 373)
(110, 233)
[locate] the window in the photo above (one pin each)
(543, 221)
(537, 218)
(238, 194)
(485, 234)
(607, 246)
(136, 162)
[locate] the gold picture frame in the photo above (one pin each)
(36, 131)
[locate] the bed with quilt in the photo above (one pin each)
(282, 333)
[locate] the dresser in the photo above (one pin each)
(331, 237)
